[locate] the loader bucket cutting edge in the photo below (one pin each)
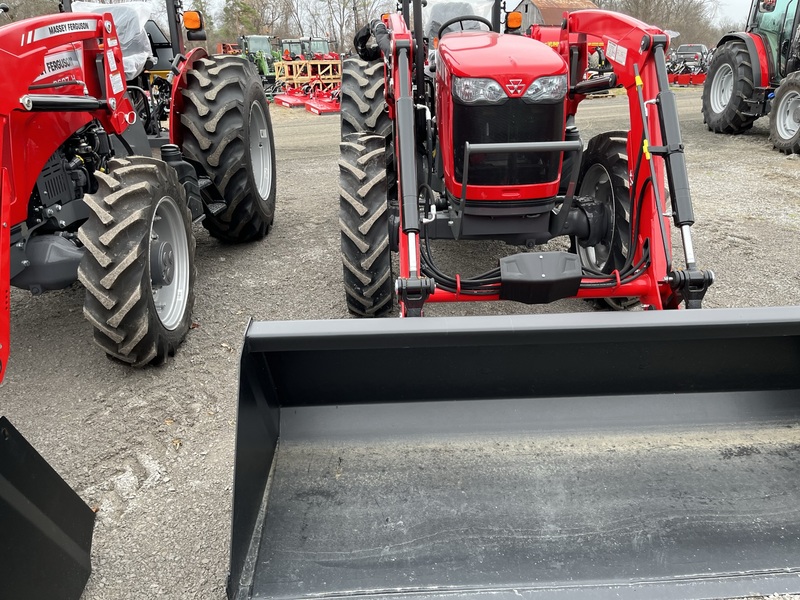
(627, 455)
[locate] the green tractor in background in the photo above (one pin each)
(258, 50)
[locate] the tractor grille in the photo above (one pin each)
(512, 121)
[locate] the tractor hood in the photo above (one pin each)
(499, 57)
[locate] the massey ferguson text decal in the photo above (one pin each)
(58, 62)
(48, 31)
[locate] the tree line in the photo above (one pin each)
(697, 21)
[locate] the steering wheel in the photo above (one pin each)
(461, 20)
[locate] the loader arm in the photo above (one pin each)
(636, 52)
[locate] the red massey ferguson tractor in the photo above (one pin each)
(477, 140)
(757, 72)
(81, 198)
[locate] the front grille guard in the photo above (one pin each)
(499, 148)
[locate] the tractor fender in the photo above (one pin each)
(176, 99)
(758, 55)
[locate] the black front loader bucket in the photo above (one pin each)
(45, 527)
(625, 455)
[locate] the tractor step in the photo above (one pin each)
(215, 208)
(539, 277)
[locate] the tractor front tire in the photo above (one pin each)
(364, 225)
(784, 118)
(604, 177)
(362, 106)
(727, 88)
(227, 133)
(138, 269)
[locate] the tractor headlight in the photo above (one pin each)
(547, 89)
(478, 90)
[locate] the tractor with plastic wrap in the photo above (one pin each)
(82, 197)
(756, 72)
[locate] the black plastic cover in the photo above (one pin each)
(539, 277)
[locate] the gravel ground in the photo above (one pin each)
(152, 449)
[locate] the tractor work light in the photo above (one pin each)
(547, 89)
(478, 90)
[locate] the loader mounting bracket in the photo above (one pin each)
(413, 292)
(692, 285)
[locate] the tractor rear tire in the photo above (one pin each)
(728, 86)
(604, 176)
(227, 134)
(138, 268)
(784, 118)
(363, 107)
(364, 225)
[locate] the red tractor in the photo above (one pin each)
(477, 140)
(81, 197)
(757, 72)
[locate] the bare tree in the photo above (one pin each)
(693, 19)
(24, 9)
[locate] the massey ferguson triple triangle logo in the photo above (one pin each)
(514, 86)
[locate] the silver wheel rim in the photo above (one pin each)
(597, 183)
(787, 115)
(260, 150)
(722, 88)
(170, 299)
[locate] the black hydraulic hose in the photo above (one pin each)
(638, 270)
(480, 282)
(481, 285)
(627, 269)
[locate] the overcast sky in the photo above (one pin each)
(735, 10)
